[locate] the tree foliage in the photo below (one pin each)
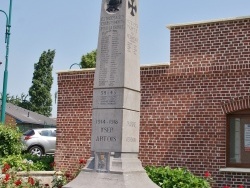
(89, 60)
(39, 92)
(21, 101)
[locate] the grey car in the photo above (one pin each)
(40, 141)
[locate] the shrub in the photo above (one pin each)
(165, 177)
(28, 162)
(10, 141)
(42, 163)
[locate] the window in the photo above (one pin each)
(45, 133)
(29, 133)
(53, 133)
(238, 139)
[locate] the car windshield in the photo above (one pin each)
(29, 133)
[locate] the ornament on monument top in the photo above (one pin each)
(133, 7)
(113, 5)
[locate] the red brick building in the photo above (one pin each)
(195, 112)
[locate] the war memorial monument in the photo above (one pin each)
(116, 103)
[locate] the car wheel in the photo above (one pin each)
(36, 150)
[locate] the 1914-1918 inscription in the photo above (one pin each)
(106, 130)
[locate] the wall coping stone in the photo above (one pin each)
(170, 26)
(42, 173)
(75, 70)
(93, 69)
(155, 65)
(244, 170)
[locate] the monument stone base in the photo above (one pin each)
(123, 173)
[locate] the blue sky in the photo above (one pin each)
(71, 28)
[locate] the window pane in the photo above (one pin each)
(247, 137)
(239, 140)
(235, 140)
(45, 133)
(53, 133)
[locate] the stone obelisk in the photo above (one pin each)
(116, 103)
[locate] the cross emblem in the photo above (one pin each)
(133, 7)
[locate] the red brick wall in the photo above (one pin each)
(74, 112)
(9, 120)
(183, 106)
(210, 44)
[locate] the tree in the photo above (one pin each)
(39, 92)
(25, 103)
(18, 101)
(89, 60)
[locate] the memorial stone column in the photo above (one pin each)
(116, 100)
(116, 103)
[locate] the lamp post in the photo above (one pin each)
(5, 78)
